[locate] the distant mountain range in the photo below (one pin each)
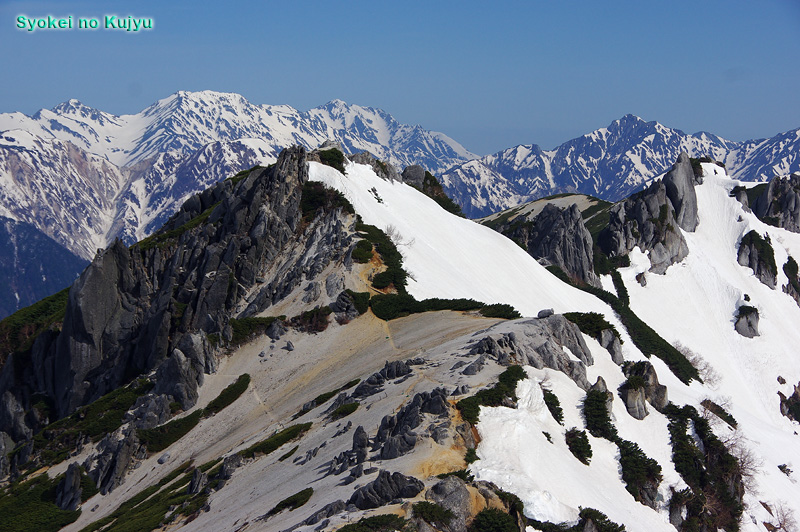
(609, 163)
(84, 177)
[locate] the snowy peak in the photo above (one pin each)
(610, 162)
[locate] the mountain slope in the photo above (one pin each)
(610, 163)
(397, 421)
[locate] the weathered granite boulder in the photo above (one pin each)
(198, 483)
(452, 494)
(384, 489)
(755, 252)
(611, 343)
(413, 175)
(108, 469)
(654, 392)
(747, 321)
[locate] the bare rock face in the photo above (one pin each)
(651, 219)
(634, 399)
(451, 493)
(779, 204)
(413, 175)
(115, 458)
(68, 491)
(198, 483)
(384, 489)
(540, 343)
(747, 321)
(152, 306)
(382, 169)
(611, 343)
(559, 237)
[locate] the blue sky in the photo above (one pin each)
(490, 75)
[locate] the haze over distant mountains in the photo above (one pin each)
(82, 177)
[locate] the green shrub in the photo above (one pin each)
(317, 197)
(591, 323)
(312, 321)
(553, 405)
(362, 253)
(344, 410)
(494, 396)
(718, 411)
(578, 444)
(604, 265)
(276, 440)
(493, 520)
(500, 310)
(332, 157)
(30, 506)
(547, 435)
(394, 275)
(360, 300)
(289, 453)
(634, 382)
(163, 236)
(471, 456)
(601, 521)
(434, 514)
(292, 502)
(463, 474)
(228, 395)
(376, 523)
(595, 413)
(159, 438)
(245, 329)
(637, 468)
(622, 292)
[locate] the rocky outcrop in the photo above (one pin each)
(152, 306)
(395, 437)
(413, 175)
(541, 343)
(779, 204)
(149, 411)
(108, 469)
(374, 383)
(452, 494)
(651, 390)
(634, 400)
(382, 169)
(68, 491)
(790, 406)
(747, 321)
(610, 341)
(198, 483)
(651, 219)
(755, 252)
(557, 237)
(385, 489)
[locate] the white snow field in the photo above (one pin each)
(694, 304)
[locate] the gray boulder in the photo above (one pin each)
(611, 343)
(116, 457)
(634, 399)
(149, 411)
(747, 321)
(654, 392)
(451, 493)
(545, 313)
(413, 175)
(384, 489)
(382, 169)
(755, 252)
(679, 182)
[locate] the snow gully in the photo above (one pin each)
(128, 24)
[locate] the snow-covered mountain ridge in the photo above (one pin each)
(610, 163)
(85, 177)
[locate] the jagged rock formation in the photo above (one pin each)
(650, 219)
(790, 406)
(610, 341)
(108, 469)
(556, 236)
(235, 248)
(413, 175)
(68, 491)
(779, 204)
(755, 252)
(374, 383)
(540, 343)
(395, 437)
(452, 494)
